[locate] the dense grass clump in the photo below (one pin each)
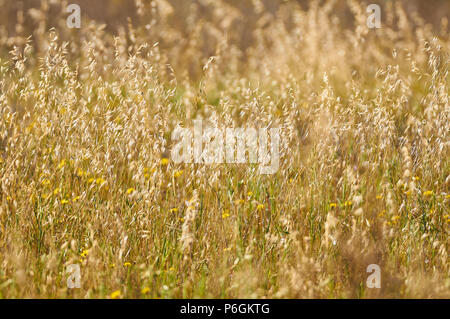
(86, 177)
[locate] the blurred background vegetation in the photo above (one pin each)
(114, 13)
(180, 25)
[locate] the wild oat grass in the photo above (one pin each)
(86, 177)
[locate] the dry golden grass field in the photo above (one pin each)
(87, 177)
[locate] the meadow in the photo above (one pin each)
(87, 177)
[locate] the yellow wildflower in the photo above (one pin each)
(225, 214)
(145, 290)
(56, 191)
(333, 205)
(84, 253)
(115, 294)
(100, 181)
(394, 219)
(64, 201)
(379, 197)
(174, 210)
(164, 161)
(428, 193)
(260, 207)
(127, 264)
(75, 198)
(130, 190)
(61, 164)
(178, 173)
(45, 182)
